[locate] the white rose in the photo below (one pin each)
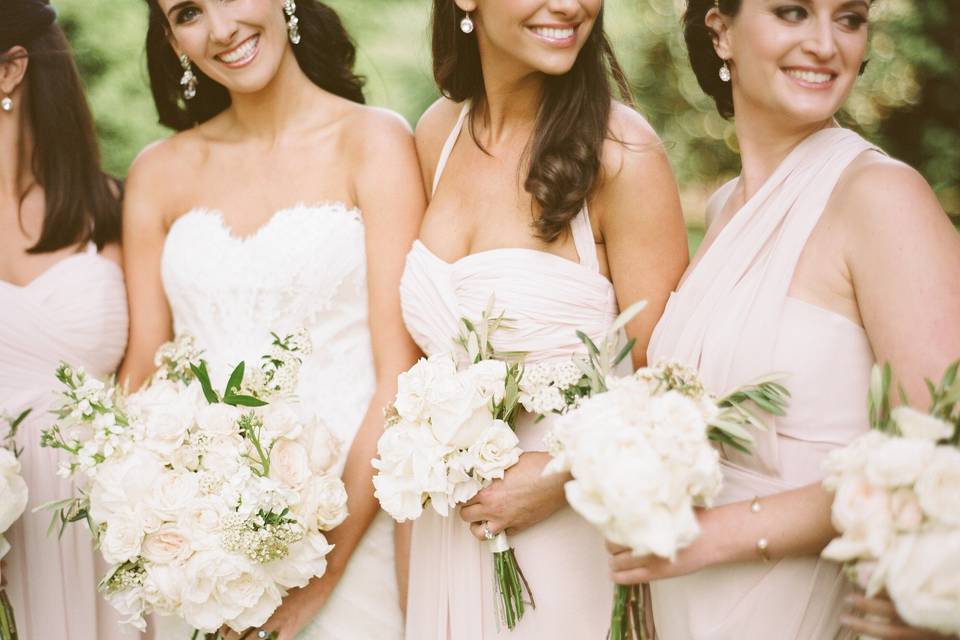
(281, 420)
(260, 597)
(898, 462)
(172, 493)
(938, 487)
(289, 463)
(13, 490)
(417, 388)
(124, 484)
(203, 518)
(915, 424)
(488, 378)
(169, 545)
(163, 587)
(306, 560)
(129, 604)
(218, 419)
(331, 503)
(861, 512)
(323, 446)
(906, 510)
(851, 458)
(166, 412)
(122, 539)
(496, 450)
(203, 578)
(923, 579)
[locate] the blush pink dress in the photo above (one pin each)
(734, 319)
(451, 592)
(76, 311)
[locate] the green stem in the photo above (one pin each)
(627, 620)
(513, 591)
(8, 625)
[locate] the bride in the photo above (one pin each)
(282, 203)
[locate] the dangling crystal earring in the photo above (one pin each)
(466, 25)
(725, 72)
(293, 22)
(188, 81)
(6, 104)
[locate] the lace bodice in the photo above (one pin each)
(305, 268)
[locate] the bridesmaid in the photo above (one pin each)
(561, 201)
(823, 257)
(61, 298)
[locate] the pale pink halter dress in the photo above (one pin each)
(451, 594)
(76, 311)
(734, 320)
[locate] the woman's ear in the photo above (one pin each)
(719, 25)
(13, 70)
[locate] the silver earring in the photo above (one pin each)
(6, 104)
(293, 22)
(725, 72)
(466, 25)
(188, 81)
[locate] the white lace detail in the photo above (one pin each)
(305, 267)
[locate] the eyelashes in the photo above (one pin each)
(796, 14)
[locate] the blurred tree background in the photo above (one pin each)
(908, 101)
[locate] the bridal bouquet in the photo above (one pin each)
(638, 448)
(13, 500)
(449, 434)
(208, 505)
(897, 504)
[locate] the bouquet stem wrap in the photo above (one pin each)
(512, 591)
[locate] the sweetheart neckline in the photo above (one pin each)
(55, 266)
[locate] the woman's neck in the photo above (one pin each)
(268, 113)
(765, 140)
(513, 100)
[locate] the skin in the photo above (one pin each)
(22, 202)
(481, 204)
(862, 255)
(282, 141)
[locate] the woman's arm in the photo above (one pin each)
(903, 257)
(638, 211)
(144, 232)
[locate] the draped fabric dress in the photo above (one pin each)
(548, 298)
(76, 312)
(735, 320)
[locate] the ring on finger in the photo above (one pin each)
(262, 634)
(487, 534)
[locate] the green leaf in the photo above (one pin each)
(243, 401)
(236, 379)
(591, 346)
(627, 315)
(627, 348)
(200, 371)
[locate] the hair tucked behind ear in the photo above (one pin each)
(325, 53)
(82, 202)
(703, 57)
(564, 156)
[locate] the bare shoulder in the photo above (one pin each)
(878, 193)
(632, 144)
(434, 127)
(160, 174)
(375, 130)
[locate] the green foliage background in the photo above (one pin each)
(908, 101)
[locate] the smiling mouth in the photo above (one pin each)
(241, 54)
(811, 78)
(555, 35)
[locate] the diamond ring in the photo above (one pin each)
(487, 534)
(262, 634)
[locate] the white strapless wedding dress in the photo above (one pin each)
(305, 268)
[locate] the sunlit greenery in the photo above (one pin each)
(907, 101)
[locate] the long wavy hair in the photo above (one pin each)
(563, 158)
(82, 202)
(326, 54)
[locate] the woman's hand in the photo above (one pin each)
(877, 617)
(520, 500)
(298, 609)
(628, 569)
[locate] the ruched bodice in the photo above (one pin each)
(735, 320)
(76, 312)
(305, 268)
(547, 299)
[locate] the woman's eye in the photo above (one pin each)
(791, 13)
(187, 14)
(853, 21)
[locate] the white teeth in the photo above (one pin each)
(242, 52)
(810, 76)
(554, 34)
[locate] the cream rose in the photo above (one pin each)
(123, 538)
(169, 545)
(923, 579)
(938, 487)
(915, 424)
(898, 462)
(289, 463)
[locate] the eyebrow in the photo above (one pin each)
(177, 7)
(856, 3)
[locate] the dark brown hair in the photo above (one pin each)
(564, 155)
(326, 54)
(703, 57)
(82, 202)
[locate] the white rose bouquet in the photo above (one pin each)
(13, 500)
(897, 504)
(209, 506)
(449, 434)
(638, 449)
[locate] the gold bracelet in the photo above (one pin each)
(762, 543)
